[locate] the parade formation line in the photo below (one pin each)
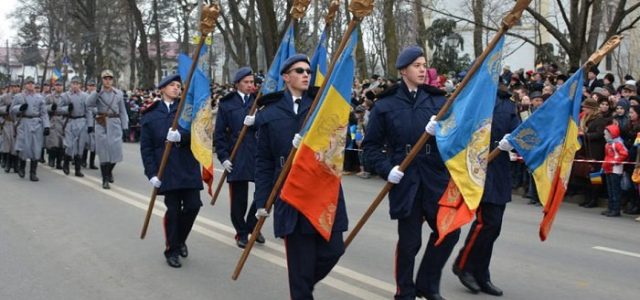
(127, 196)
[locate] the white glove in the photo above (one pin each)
(173, 135)
(227, 165)
(249, 120)
(155, 182)
(395, 175)
(261, 212)
(297, 140)
(431, 126)
(504, 144)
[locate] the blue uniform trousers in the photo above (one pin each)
(310, 258)
(475, 256)
(182, 209)
(239, 198)
(409, 243)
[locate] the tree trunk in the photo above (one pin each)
(422, 27)
(157, 40)
(133, 38)
(361, 57)
(146, 72)
(390, 41)
(269, 29)
(478, 8)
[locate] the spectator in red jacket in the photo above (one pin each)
(614, 154)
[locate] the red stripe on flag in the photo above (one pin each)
(312, 189)
(453, 212)
(207, 177)
(556, 196)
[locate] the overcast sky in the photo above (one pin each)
(6, 32)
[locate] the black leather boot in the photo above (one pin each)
(103, 170)
(42, 156)
(92, 161)
(22, 168)
(33, 166)
(78, 166)
(52, 157)
(8, 163)
(65, 166)
(3, 160)
(60, 158)
(111, 166)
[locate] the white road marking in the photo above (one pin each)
(607, 249)
(127, 196)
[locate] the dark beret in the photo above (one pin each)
(242, 73)
(407, 56)
(291, 61)
(165, 81)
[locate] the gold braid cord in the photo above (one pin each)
(208, 18)
(361, 8)
(331, 14)
(611, 44)
(299, 8)
(516, 13)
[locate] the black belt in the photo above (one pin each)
(110, 115)
(80, 117)
(31, 117)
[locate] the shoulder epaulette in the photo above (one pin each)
(151, 107)
(228, 96)
(432, 90)
(389, 91)
(270, 98)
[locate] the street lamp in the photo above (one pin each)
(453, 40)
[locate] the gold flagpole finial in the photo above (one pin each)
(611, 44)
(361, 8)
(299, 9)
(208, 18)
(331, 14)
(514, 16)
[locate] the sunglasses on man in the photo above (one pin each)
(301, 70)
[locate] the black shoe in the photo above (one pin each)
(633, 211)
(489, 288)
(591, 204)
(604, 212)
(78, 167)
(174, 261)
(105, 184)
(242, 242)
(184, 251)
(65, 166)
(260, 239)
(469, 281)
(434, 296)
(613, 214)
(21, 168)
(32, 170)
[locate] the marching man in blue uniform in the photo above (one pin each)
(233, 113)
(182, 182)
(309, 256)
(395, 124)
(472, 264)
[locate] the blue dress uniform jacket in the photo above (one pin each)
(277, 123)
(497, 187)
(395, 125)
(183, 170)
(229, 122)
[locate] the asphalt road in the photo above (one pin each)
(67, 238)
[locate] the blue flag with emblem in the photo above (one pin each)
(196, 95)
(273, 81)
(463, 137)
(548, 141)
(319, 61)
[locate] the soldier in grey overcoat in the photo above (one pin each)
(32, 121)
(111, 120)
(90, 148)
(76, 136)
(53, 142)
(9, 129)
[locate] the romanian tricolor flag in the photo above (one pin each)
(548, 141)
(273, 81)
(55, 74)
(463, 137)
(196, 116)
(319, 61)
(313, 184)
